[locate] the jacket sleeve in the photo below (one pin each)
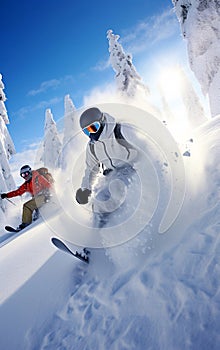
(21, 190)
(132, 138)
(92, 169)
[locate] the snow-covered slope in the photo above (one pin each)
(154, 292)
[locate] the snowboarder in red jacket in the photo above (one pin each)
(38, 186)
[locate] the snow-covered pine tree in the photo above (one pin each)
(8, 143)
(200, 25)
(7, 149)
(73, 137)
(194, 109)
(52, 143)
(130, 86)
(71, 122)
(128, 80)
(3, 111)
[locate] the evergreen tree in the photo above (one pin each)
(73, 136)
(194, 109)
(130, 86)
(128, 81)
(71, 122)
(3, 111)
(200, 25)
(8, 143)
(51, 144)
(7, 149)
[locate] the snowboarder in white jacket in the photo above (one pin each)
(108, 151)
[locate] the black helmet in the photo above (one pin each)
(26, 172)
(90, 116)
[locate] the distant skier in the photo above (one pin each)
(109, 153)
(38, 186)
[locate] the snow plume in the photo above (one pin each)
(163, 298)
(202, 170)
(101, 94)
(52, 143)
(181, 105)
(139, 199)
(167, 114)
(200, 25)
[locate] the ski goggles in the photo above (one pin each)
(92, 128)
(25, 174)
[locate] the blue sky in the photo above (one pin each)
(52, 48)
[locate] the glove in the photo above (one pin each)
(3, 195)
(82, 195)
(107, 171)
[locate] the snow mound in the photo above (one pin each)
(130, 296)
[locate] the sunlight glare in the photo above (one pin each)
(170, 81)
(171, 85)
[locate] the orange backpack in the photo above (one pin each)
(44, 172)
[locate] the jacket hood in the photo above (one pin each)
(109, 126)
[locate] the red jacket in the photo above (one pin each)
(37, 184)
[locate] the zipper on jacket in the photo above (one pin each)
(108, 156)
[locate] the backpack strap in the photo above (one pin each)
(121, 139)
(36, 179)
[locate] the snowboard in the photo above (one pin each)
(12, 229)
(62, 246)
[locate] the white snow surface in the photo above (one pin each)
(154, 292)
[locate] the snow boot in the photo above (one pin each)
(22, 226)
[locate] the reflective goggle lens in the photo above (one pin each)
(25, 174)
(92, 128)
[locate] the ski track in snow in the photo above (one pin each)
(172, 302)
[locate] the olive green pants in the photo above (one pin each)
(30, 206)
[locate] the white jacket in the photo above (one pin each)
(107, 152)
